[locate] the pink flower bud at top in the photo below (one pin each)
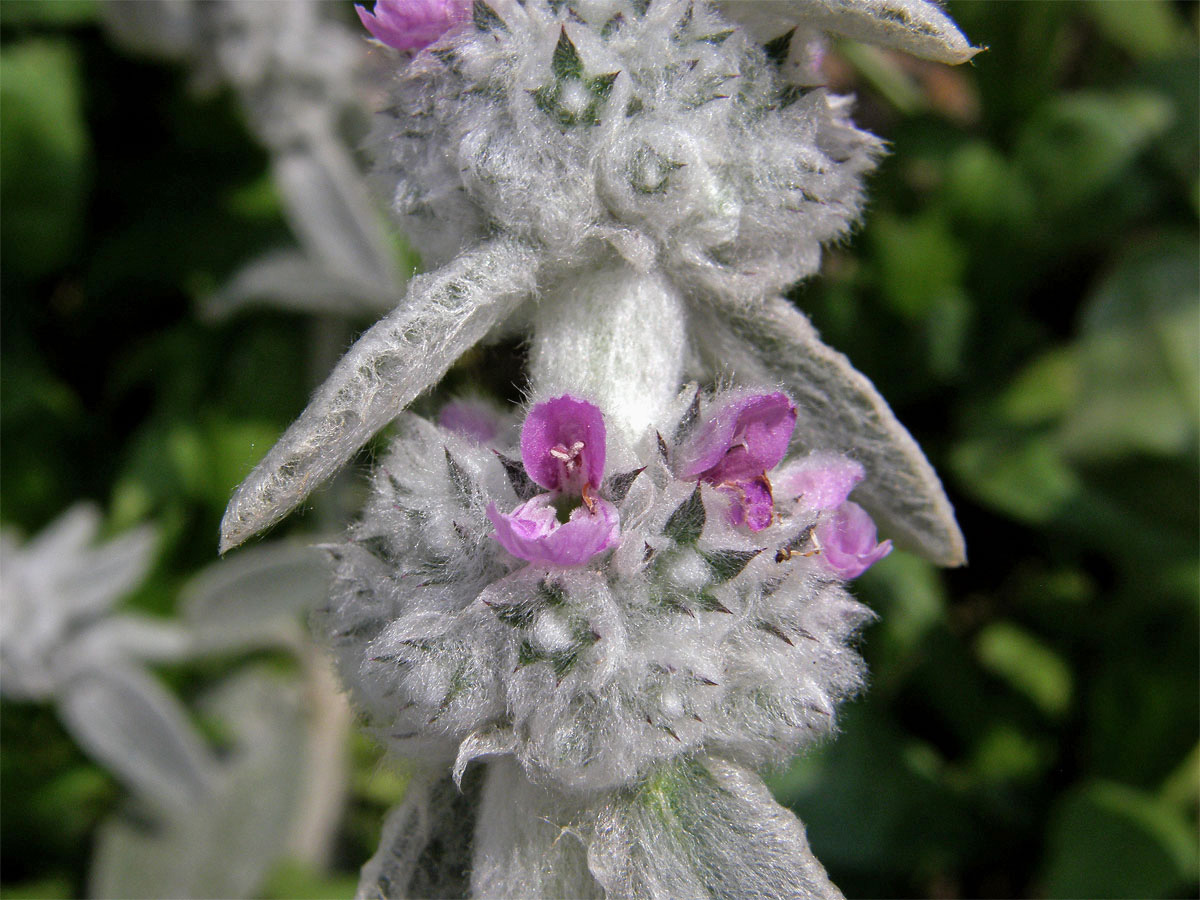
(413, 24)
(736, 447)
(846, 539)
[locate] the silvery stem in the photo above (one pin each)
(613, 336)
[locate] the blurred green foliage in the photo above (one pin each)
(1024, 289)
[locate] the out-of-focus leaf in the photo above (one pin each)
(1026, 663)
(919, 262)
(44, 889)
(1109, 840)
(1005, 754)
(1021, 475)
(43, 155)
(1076, 145)
(1139, 356)
(910, 598)
(290, 280)
(885, 74)
(1146, 29)
(984, 187)
(1043, 391)
(53, 13)
(223, 845)
(127, 721)
(295, 880)
(869, 812)
(255, 596)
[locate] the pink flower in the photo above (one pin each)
(535, 532)
(563, 445)
(819, 481)
(734, 450)
(470, 418)
(413, 24)
(563, 449)
(844, 533)
(846, 539)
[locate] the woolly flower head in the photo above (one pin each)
(689, 631)
(660, 130)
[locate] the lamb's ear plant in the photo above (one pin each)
(594, 620)
(194, 822)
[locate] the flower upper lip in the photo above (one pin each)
(742, 440)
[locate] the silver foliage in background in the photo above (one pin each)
(300, 74)
(196, 823)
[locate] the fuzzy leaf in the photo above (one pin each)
(838, 409)
(444, 314)
(459, 477)
(618, 486)
(687, 522)
(523, 846)
(129, 722)
(425, 849)
(566, 62)
(728, 564)
(523, 486)
(702, 829)
(485, 19)
(917, 27)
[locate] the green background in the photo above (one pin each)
(1023, 289)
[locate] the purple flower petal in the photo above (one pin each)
(820, 481)
(741, 441)
(563, 444)
(475, 419)
(753, 505)
(413, 24)
(532, 531)
(846, 538)
(734, 449)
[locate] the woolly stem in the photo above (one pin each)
(616, 337)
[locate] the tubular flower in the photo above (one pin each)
(412, 24)
(562, 448)
(844, 533)
(736, 447)
(846, 540)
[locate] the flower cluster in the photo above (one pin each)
(612, 621)
(493, 124)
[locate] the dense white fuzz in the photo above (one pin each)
(442, 316)
(694, 635)
(702, 828)
(665, 134)
(427, 841)
(658, 143)
(838, 409)
(616, 336)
